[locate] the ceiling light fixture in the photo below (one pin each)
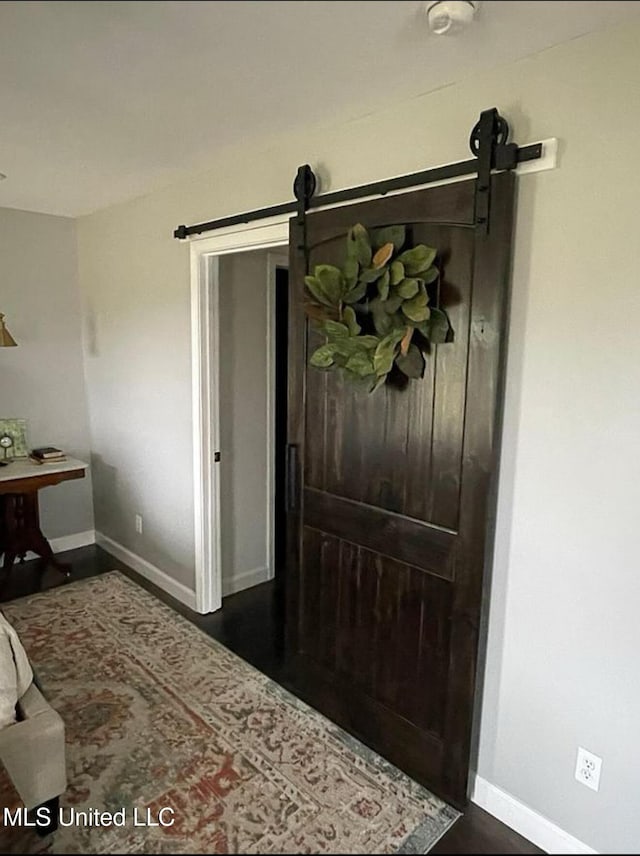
(450, 16)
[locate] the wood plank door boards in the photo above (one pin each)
(394, 494)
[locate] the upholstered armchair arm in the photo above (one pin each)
(32, 750)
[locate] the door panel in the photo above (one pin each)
(371, 620)
(387, 542)
(353, 439)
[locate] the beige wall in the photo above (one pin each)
(244, 418)
(42, 379)
(564, 632)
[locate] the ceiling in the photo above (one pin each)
(104, 101)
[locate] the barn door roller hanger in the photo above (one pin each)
(491, 149)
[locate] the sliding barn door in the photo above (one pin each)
(390, 521)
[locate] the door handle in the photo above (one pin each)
(291, 484)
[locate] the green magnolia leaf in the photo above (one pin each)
(383, 362)
(439, 327)
(379, 382)
(369, 343)
(358, 382)
(430, 275)
(413, 364)
(395, 235)
(383, 285)
(394, 303)
(386, 353)
(358, 346)
(334, 329)
(359, 245)
(417, 259)
(331, 281)
(355, 344)
(361, 364)
(408, 288)
(399, 324)
(382, 321)
(323, 357)
(396, 272)
(349, 318)
(356, 293)
(372, 274)
(421, 298)
(416, 309)
(350, 271)
(317, 291)
(429, 272)
(385, 325)
(345, 348)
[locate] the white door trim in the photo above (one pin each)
(206, 493)
(265, 234)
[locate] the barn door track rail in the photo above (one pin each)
(489, 144)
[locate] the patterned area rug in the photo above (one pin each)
(158, 715)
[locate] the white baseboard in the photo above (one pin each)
(519, 817)
(178, 590)
(69, 542)
(245, 580)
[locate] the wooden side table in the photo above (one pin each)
(19, 512)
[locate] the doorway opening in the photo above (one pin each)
(208, 254)
(252, 368)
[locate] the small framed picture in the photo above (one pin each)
(13, 439)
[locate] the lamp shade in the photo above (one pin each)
(6, 339)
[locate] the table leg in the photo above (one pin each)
(9, 559)
(2, 526)
(22, 533)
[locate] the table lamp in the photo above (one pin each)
(6, 339)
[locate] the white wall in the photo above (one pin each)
(244, 420)
(564, 631)
(42, 380)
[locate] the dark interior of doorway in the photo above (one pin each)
(280, 434)
(281, 381)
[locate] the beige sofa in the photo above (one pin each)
(32, 747)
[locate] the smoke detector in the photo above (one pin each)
(450, 16)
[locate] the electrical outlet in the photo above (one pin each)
(139, 524)
(588, 768)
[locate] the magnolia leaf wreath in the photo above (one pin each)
(374, 311)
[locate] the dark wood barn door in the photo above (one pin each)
(392, 515)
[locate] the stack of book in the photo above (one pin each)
(48, 455)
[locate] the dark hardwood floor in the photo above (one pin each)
(248, 625)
